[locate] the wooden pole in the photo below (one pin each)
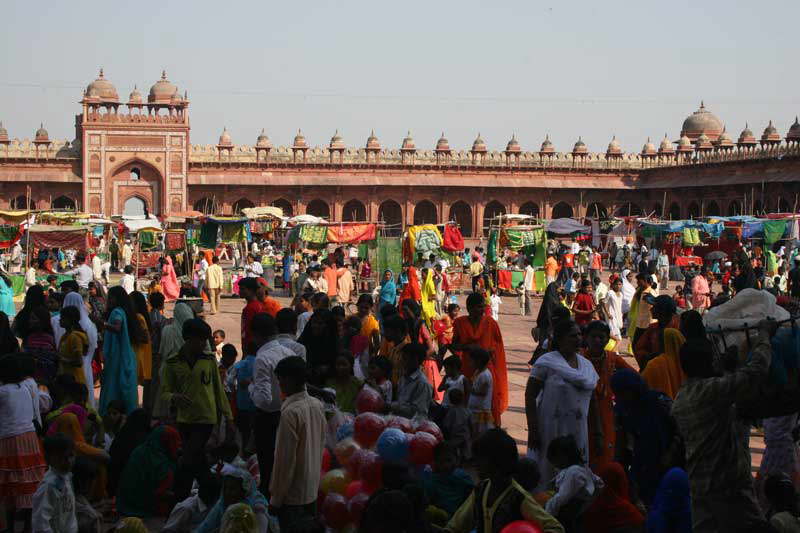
(794, 209)
(28, 229)
(664, 205)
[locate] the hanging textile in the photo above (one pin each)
(519, 238)
(774, 230)
(452, 240)
(294, 235)
(389, 256)
(351, 233)
(313, 234)
(565, 226)
(691, 237)
(233, 233)
(713, 230)
(424, 239)
(46, 236)
(539, 249)
(175, 241)
(147, 239)
(596, 233)
(208, 235)
(9, 235)
(750, 229)
(491, 248)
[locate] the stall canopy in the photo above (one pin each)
(263, 212)
(306, 219)
(50, 236)
(135, 224)
(350, 233)
(565, 226)
(14, 215)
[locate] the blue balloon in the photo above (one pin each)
(393, 446)
(344, 431)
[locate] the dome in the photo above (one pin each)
(649, 148)
(614, 147)
(513, 145)
(161, 92)
(685, 144)
(702, 121)
(225, 138)
(478, 145)
(176, 98)
(300, 140)
(41, 134)
(771, 134)
(666, 146)
(702, 143)
(580, 147)
(408, 142)
(372, 142)
(135, 97)
(724, 140)
(102, 89)
(792, 136)
(337, 143)
(3, 133)
(547, 146)
(263, 141)
(442, 145)
(746, 137)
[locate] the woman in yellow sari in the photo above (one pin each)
(664, 373)
(428, 298)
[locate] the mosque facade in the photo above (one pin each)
(136, 156)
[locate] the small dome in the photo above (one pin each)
(41, 134)
(408, 142)
(547, 146)
(161, 92)
(263, 141)
(3, 133)
(702, 143)
(225, 138)
(337, 143)
(478, 145)
(792, 136)
(176, 98)
(300, 140)
(746, 137)
(702, 121)
(685, 144)
(513, 144)
(372, 142)
(666, 146)
(771, 134)
(614, 147)
(724, 140)
(442, 145)
(580, 147)
(649, 148)
(103, 89)
(135, 97)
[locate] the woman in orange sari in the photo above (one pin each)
(602, 431)
(478, 329)
(70, 423)
(666, 375)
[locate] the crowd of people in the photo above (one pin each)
(632, 417)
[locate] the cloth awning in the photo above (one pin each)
(306, 219)
(134, 224)
(49, 236)
(351, 233)
(565, 226)
(14, 215)
(263, 212)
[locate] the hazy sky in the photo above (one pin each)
(572, 68)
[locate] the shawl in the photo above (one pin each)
(68, 424)
(119, 374)
(584, 377)
(388, 293)
(550, 302)
(628, 292)
(664, 373)
(612, 510)
(80, 413)
(411, 290)
(88, 327)
(151, 465)
(671, 509)
(424, 239)
(253, 499)
(172, 334)
(452, 240)
(700, 291)
(169, 281)
(429, 299)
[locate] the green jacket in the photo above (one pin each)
(202, 384)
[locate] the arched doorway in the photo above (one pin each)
(461, 214)
(734, 208)
(783, 206)
(285, 206)
(424, 213)
(135, 206)
(22, 202)
(492, 210)
(711, 209)
(241, 203)
(596, 210)
(628, 210)
(136, 178)
(530, 209)
(318, 208)
(354, 211)
(693, 211)
(562, 210)
(391, 215)
(63, 202)
(205, 205)
(674, 211)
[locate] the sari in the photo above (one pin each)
(388, 293)
(7, 298)
(169, 281)
(488, 336)
(700, 291)
(144, 353)
(671, 509)
(119, 372)
(612, 510)
(664, 373)
(429, 299)
(603, 397)
(149, 475)
(70, 425)
(411, 290)
(253, 498)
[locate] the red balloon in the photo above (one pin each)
(420, 448)
(429, 426)
(401, 423)
(354, 464)
(334, 510)
(326, 460)
(356, 506)
(371, 471)
(522, 526)
(367, 428)
(369, 401)
(353, 488)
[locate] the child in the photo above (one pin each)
(110, 425)
(54, 300)
(345, 383)
(219, 342)
(128, 282)
(448, 486)
(54, 500)
(239, 378)
(414, 393)
(571, 287)
(358, 346)
(155, 285)
(457, 426)
(680, 299)
(380, 369)
(495, 302)
(480, 398)
(84, 472)
(521, 297)
(575, 484)
(229, 355)
(453, 379)
(445, 335)
(73, 344)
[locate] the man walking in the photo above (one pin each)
(214, 284)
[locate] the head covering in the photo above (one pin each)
(428, 298)
(131, 524)
(253, 499)
(628, 291)
(664, 373)
(550, 302)
(388, 290)
(239, 518)
(612, 510)
(665, 303)
(68, 424)
(172, 334)
(671, 509)
(321, 350)
(80, 413)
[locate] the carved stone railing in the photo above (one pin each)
(26, 149)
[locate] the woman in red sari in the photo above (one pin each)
(478, 329)
(169, 281)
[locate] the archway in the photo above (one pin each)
(492, 210)
(461, 214)
(674, 211)
(318, 208)
(241, 203)
(424, 213)
(628, 210)
(22, 202)
(63, 202)
(711, 209)
(596, 210)
(136, 177)
(354, 211)
(693, 211)
(783, 206)
(391, 214)
(135, 206)
(562, 210)
(530, 209)
(285, 206)
(205, 205)
(734, 208)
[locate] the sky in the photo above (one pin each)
(567, 69)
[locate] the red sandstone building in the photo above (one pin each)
(136, 155)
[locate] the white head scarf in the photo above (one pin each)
(628, 291)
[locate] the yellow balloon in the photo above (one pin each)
(335, 481)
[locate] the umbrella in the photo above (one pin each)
(713, 256)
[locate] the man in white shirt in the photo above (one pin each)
(253, 269)
(16, 258)
(527, 285)
(265, 392)
(83, 272)
(286, 323)
(202, 271)
(127, 253)
(662, 267)
(575, 248)
(128, 281)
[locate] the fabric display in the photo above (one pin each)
(565, 226)
(390, 255)
(313, 234)
(58, 237)
(452, 240)
(233, 233)
(425, 239)
(146, 260)
(518, 238)
(147, 239)
(175, 241)
(351, 233)
(491, 248)
(774, 230)
(208, 235)
(691, 237)
(9, 235)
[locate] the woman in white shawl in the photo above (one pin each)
(628, 290)
(76, 300)
(557, 397)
